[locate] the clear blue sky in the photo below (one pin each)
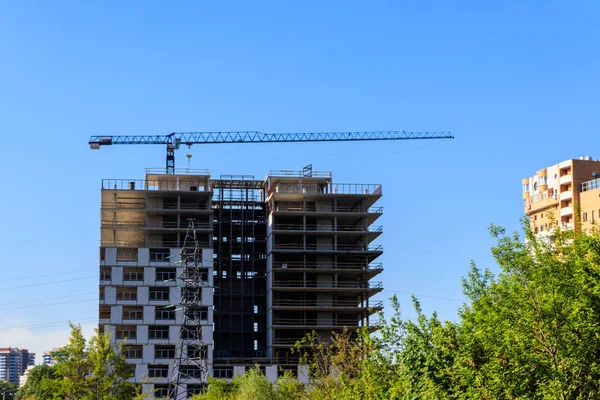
(517, 83)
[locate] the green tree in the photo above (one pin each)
(8, 390)
(42, 382)
(84, 371)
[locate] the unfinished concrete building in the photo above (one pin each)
(284, 256)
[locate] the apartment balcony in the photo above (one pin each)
(328, 210)
(327, 248)
(565, 211)
(324, 229)
(325, 323)
(337, 267)
(328, 189)
(564, 179)
(566, 195)
(326, 305)
(316, 286)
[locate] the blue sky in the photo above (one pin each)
(516, 82)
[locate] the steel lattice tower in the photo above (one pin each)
(190, 355)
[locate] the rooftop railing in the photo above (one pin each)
(590, 185)
(298, 174)
(155, 185)
(178, 171)
(335, 188)
(337, 322)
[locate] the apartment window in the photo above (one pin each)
(105, 273)
(126, 332)
(255, 345)
(255, 309)
(131, 368)
(133, 352)
(133, 274)
(101, 292)
(127, 254)
(126, 293)
(536, 230)
(256, 327)
(189, 332)
(190, 371)
(194, 389)
(158, 332)
(164, 313)
(158, 370)
(584, 217)
(197, 352)
(162, 391)
(191, 295)
(223, 373)
(165, 352)
(159, 254)
(542, 228)
(104, 312)
(202, 313)
(133, 312)
(542, 215)
(159, 294)
(593, 212)
(102, 253)
(165, 274)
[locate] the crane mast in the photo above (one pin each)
(174, 140)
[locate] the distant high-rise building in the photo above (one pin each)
(48, 358)
(13, 362)
(281, 257)
(555, 194)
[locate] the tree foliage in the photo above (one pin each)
(531, 332)
(7, 390)
(84, 371)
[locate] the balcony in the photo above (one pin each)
(337, 266)
(327, 228)
(351, 323)
(153, 225)
(566, 195)
(590, 185)
(320, 285)
(326, 304)
(329, 189)
(329, 209)
(566, 211)
(564, 179)
(350, 248)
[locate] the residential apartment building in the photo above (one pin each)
(14, 362)
(284, 256)
(48, 358)
(555, 194)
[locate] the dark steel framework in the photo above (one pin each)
(239, 245)
(191, 359)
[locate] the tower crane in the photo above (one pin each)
(174, 140)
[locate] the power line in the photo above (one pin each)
(47, 305)
(47, 298)
(47, 283)
(47, 324)
(46, 275)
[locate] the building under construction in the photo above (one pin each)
(280, 257)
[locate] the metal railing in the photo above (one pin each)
(151, 225)
(332, 209)
(179, 171)
(317, 265)
(326, 247)
(590, 185)
(335, 188)
(325, 303)
(155, 185)
(327, 285)
(327, 228)
(337, 322)
(298, 174)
